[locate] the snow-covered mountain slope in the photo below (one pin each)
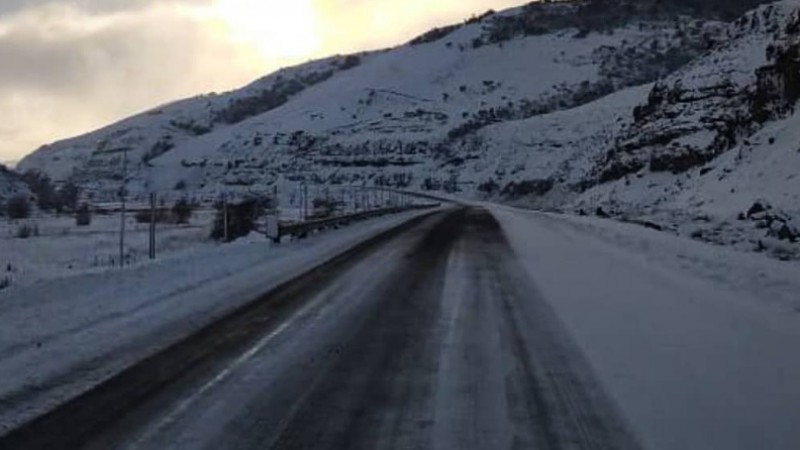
(699, 111)
(653, 109)
(386, 112)
(717, 141)
(522, 158)
(149, 135)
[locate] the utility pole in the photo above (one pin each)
(153, 225)
(123, 194)
(344, 201)
(225, 215)
(305, 200)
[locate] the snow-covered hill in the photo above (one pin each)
(718, 141)
(402, 107)
(655, 109)
(93, 157)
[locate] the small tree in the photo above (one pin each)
(182, 210)
(18, 207)
(68, 196)
(489, 187)
(26, 231)
(43, 189)
(323, 208)
(83, 217)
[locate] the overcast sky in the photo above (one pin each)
(70, 66)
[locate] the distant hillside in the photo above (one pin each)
(390, 117)
(670, 110)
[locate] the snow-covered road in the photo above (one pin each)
(478, 329)
(697, 344)
(59, 338)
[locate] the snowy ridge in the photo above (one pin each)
(407, 107)
(157, 131)
(693, 115)
(632, 107)
(705, 148)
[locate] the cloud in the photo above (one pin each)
(70, 66)
(65, 69)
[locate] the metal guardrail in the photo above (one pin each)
(303, 229)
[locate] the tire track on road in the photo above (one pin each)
(380, 395)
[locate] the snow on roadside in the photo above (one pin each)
(60, 249)
(61, 337)
(696, 343)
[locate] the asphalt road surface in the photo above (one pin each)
(428, 337)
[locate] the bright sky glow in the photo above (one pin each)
(276, 29)
(71, 66)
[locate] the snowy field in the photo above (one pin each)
(59, 248)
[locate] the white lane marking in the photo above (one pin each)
(184, 405)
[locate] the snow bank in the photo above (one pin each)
(697, 344)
